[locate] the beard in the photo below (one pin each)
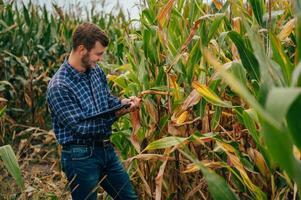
(86, 62)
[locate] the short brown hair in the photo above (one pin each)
(87, 34)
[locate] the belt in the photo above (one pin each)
(89, 142)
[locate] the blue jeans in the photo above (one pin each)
(88, 166)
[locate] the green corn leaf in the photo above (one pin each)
(26, 15)
(293, 121)
(218, 187)
(216, 118)
(193, 60)
(7, 83)
(269, 70)
(258, 9)
(239, 72)
(240, 89)
(281, 149)
(2, 111)
(45, 14)
(279, 100)
(251, 126)
(120, 81)
(282, 102)
(214, 26)
(298, 30)
(10, 161)
(281, 58)
(165, 143)
(247, 58)
(286, 102)
(296, 77)
(10, 15)
(209, 95)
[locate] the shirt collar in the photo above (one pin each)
(76, 74)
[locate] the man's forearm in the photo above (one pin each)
(121, 112)
(132, 104)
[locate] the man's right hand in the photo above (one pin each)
(134, 104)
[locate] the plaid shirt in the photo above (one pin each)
(76, 100)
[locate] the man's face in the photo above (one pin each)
(90, 58)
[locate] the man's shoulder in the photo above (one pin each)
(99, 70)
(60, 78)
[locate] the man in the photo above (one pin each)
(82, 111)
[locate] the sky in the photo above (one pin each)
(129, 6)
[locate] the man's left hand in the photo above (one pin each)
(135, 104)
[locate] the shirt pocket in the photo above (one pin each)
(101, 97)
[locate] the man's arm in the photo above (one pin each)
(114, 101)
(64, 106)
(133, 103)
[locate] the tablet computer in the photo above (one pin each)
(118, 107)
(113, 109)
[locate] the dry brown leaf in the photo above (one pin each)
(234, 52)
(159, 177)
(229, 150)
(259, 161)
(50, 137)
(163, 15)
(151, 129)
(205, 124)
(175, 131)
(23, 143)
(147, 157)
(145, 184)
(202, 140)
(193, 167)
(3, 99)
(135, 142)
(195, 27)
(236, 24)
(135, 119)
(193, 98)
(226, 147)
(217, 4)
(153, 92)
(151, 110)
(173, 84)
(28, 100)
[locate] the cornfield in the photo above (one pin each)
(220, 83)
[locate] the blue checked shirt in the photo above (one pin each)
(76, 101)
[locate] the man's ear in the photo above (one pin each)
(82, 50)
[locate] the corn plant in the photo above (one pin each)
(219, 83)
(179, 62)
(10, 161)
(9, 158)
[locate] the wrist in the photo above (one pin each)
(121, 112)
